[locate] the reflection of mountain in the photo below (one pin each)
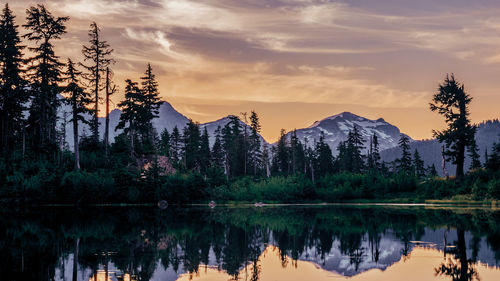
(153, 244)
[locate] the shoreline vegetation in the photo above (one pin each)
(183, 166)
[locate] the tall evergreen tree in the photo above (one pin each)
(98, 53)
(131, 108)
(110, 90)
(254, 140)
(373, 160)
(151, 100)
(354, 146)
(175, 147)
(297, 156)
(324, 157)
(473, 152)
(404, 163)
(204, 153)
(418, 164)
(452, 102)
(191, 148)
(13, 94)
(217, 150)
(164, 145)
(281, 161)
(45, 72)
(79, 100)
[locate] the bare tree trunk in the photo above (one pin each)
(106, 132)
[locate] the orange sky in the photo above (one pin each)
(297, 61)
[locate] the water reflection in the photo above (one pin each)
(285, 243)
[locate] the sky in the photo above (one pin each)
(297, 61)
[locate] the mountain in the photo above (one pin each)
(168, 118)
(212, 127)
(337, 127)
(487, 133)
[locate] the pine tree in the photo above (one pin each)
(151, 100)
(191, 148)
(217, 150)
(281, 161)
(254, 151)
(324, 156)
(175, 147)
(164, 145)
(373, 160)
(452, 102)
(473, 152)
(355, 145)
(131, 108)
(404, 163)
(45, 73)
(204, 153)
(79, 101)
(418, 165)
(432, 171)
(98, 52)
(13, 95)
(296, 153)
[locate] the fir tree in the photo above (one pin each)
(473, 152)
(354, 146)
(164, 145)
(13, 95)
(151, 100)
(404, 163)
(281, 161)
(373, 160)
(204, 153)
(131, 108)
(452, 102)
(255, 144)
(217, 150)
(418, 165)
(191, 148)
(79, 101)
(98, 53)
(45, 72)
(432, 171)
(175, 146)
(324, 157)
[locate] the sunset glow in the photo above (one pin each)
(296, 62)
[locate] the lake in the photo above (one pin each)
(337, 242)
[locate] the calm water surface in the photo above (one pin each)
(249, 243)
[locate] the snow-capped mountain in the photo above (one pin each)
(337, 127)
(168, 118)
(212, 127)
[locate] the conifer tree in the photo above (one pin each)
(452, 102)
(418, 165)
(151, 100)
(297, 156)
(473, 152)
(217, 150)
(110, 90)
(45, 72)
(164, 145)
(255, 144)
(204, 153)
(79, 101)
(281, 161)
(404, 163)
(131, 108)
(175, 146)
(191, 148)
(13, 94)
(98, 54)
(354, 146)
(432, 171)
(324, 156)
(373, 160)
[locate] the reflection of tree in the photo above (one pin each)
(137, 240)
(458, 268)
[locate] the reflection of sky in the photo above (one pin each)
(375, 58)
(429, 253)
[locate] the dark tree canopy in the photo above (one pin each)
(452, 102)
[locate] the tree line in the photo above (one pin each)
(34, 153)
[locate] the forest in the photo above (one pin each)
(146, 166)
